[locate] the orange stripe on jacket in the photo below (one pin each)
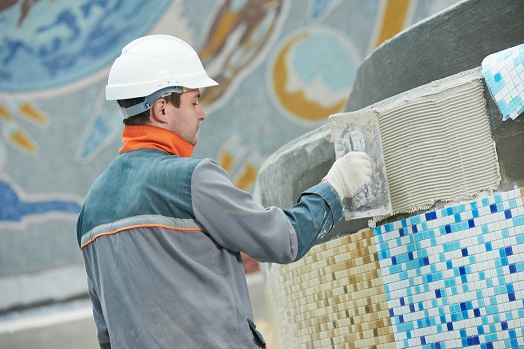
(138, 226)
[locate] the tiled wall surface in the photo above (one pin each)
(332, 298)
(448, 278)
(454, 277)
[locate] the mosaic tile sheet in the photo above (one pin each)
(281, 316)
(504, 75)
(454, 277)
(332, 298)
(449, 278)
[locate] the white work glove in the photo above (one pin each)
(349, 173)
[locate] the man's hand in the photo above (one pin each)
(349, 173)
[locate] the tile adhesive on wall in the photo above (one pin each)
(451, 277)
(436, 141)
(437, 144)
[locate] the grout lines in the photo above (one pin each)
(453, 277)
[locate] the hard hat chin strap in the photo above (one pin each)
(149, 100)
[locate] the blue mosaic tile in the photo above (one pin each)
(461, 282)
(504, 75)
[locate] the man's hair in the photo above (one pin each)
(143, 118)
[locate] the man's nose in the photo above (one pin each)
(201, 114)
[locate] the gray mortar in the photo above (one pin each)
(452, 41)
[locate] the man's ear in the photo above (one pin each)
(158, 111)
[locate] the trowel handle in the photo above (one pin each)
(358, 143)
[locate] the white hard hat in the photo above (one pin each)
(153, 63)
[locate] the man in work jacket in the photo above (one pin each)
(161, 233)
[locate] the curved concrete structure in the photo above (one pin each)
(449, 275)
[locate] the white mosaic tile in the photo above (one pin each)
(504, 75)
(469, 265)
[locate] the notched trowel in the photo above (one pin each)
(359, 131)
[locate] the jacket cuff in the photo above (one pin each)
(330, 196)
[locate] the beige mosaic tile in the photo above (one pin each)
(334, 297)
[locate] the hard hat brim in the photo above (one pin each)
(126, 91)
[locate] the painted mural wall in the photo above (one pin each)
(283, 68)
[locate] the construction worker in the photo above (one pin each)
(161, 232)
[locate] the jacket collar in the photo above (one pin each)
(142, 136)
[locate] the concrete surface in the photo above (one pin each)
(66, 325)
(454, 40)
(70, 324)
(47, 286)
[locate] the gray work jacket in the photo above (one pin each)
(161, 237)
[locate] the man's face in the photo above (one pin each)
(185, 121)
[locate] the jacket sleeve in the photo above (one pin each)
(236, 222)
(101, 328)
(316, 213)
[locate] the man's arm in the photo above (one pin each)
(237, 222)
(318, 210)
